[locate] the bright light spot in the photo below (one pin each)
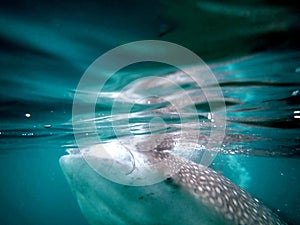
(27, 134)
(27, 115)
(295, 93)
(297, 114)
(209, 116)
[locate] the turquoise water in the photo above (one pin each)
(45, 48)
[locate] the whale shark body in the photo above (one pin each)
(191, 194)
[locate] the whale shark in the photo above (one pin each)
(190, 193)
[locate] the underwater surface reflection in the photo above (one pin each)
(252, 48)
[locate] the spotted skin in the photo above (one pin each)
(211, 188)
(219, 193)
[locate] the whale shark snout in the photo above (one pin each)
(105, 202)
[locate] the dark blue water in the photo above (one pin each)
(252, 49)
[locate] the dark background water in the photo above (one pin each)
(46, 46)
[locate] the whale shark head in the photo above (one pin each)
(103, 201)
(189, 194)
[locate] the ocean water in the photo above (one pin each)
(251, 47)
